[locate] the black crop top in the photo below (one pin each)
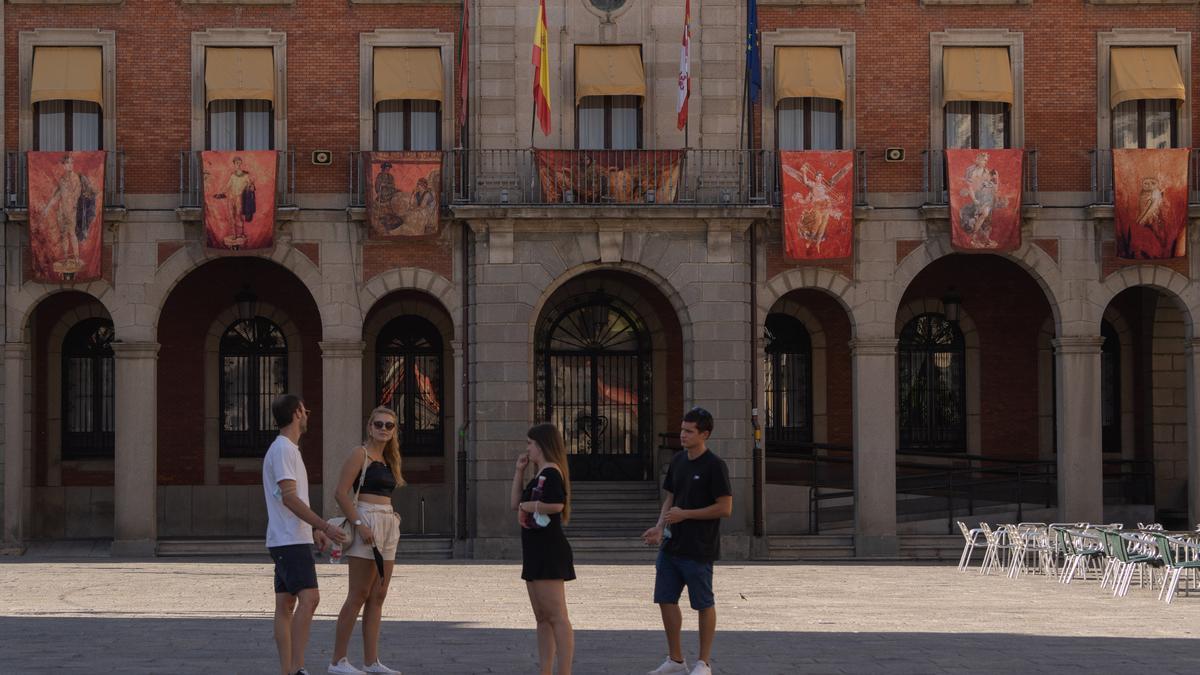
(378, 480)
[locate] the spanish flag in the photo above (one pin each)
(541, 70)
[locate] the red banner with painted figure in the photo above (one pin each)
(239, 198)
(985, 198)
(66, 209)
(818, 203)
(609, 176)
(1150, 190)
(402, 194)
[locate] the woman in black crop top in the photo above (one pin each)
(365, 484)
(543, 507)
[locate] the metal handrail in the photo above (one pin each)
(191, 179)
(16, 179)
(933, 177)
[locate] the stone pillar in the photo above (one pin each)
(342, 414)
(14, 443)
(874, 364)
(1192, 349)
(135, 465)
(457, 472)
(1080, 452)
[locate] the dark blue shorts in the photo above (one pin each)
(295, 569)
(672, 573)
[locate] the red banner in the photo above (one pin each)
(818, 204)
(609, 176)
(985, 198)
(402, 193)
(239, 198)
(66, 208)
(1150, 188)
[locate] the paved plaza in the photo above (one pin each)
(100, 615)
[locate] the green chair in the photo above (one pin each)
(1174, 567)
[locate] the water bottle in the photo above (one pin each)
(335, 553)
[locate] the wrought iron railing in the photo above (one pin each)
(934, 177)
(860, 177)
(16, 180)
(191, 179)
(1102, 177)
(453, 175)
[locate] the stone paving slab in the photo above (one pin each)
(205, 616)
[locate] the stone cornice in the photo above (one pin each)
(873, 346)
(135, 350)
(342, 349)
(1078, 344)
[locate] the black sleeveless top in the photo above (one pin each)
(378, 480)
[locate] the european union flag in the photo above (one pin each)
(753, 51)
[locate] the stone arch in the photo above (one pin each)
(819, 360)
(1169, 282)
(437, 287)
(818, 278)
(21, 305)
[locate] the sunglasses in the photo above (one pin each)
(385, 426)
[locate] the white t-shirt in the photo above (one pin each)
(283, 462)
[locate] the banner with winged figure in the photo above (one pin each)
(239, 198)
(985, 198)
(66, 208)
(1151, 193)
(818, 204)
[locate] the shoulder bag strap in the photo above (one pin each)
(362, 476)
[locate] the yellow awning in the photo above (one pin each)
(802, 72)
(239, 73)
(408, 73)
(609, 70)
(976, 74)
(70, 73)
(1144, 72)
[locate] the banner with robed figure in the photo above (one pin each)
(66, 209)
(985, 198)
(403, 197)
(239, 198)
(1150, 189)
(818, 203)
(609, 176)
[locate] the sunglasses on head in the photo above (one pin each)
(386, 426)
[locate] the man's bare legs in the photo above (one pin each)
(673, 625)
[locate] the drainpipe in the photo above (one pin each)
(757, 455)
(461, 527)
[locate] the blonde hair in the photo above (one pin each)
(554, 451)
(391, 450)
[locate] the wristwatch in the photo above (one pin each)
(358, 522)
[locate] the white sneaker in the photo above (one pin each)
(670, 667)
(378, 667)
(343, 667)
(701, 668)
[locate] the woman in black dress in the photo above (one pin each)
(543, 507)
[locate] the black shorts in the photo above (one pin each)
(295, 569)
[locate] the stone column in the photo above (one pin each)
(1080, 453)
(1192, 350)
(14, 443)
(457, 473)
(874, 364)
(135, 465)
(342, 411)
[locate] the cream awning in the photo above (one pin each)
(239, 73)
(609, 70)
(1144, 72)
(802, 72)
(976, 74)
(408, 73)
(71, 73)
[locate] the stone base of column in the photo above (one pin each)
(134, 548)
(11, 549)
(876, 545)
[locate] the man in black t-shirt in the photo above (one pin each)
(698, 496)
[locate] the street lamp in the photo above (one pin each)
(952, 305)
(247, 303)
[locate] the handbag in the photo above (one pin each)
(341, 522)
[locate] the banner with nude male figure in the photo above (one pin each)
(985, 198)
(818, 204)
(1151, 198)
(239, 198)
(66, 208)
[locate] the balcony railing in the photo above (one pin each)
(452, 176)
(1102, 177)
(191, 179)
(16, 180)
(934, 178)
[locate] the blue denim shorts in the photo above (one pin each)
(672, 573)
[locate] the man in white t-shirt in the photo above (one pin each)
(292, 529)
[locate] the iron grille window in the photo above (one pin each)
(788, 367)
(1110, 388)
(253, 372)
(88, 373)
(403, 124)
(240, 124)
(408, 379)
(594, 383)
(1146, 123)
(932, 383)
(809, 124)
(67, 125)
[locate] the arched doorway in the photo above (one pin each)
(932, 402)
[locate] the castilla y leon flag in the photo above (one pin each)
(541, 70)
(985, 198)
(685, 67)
(66, 207)
(239, 198)
(1150, 194)
(464, 53)
(818, 204)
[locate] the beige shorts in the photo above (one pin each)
(385, 524)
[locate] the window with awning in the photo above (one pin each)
(978, 93)
(610, 85)
(1145, 88)
(810, 92)
(239, 92)
(408, 89)
(67, 94)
